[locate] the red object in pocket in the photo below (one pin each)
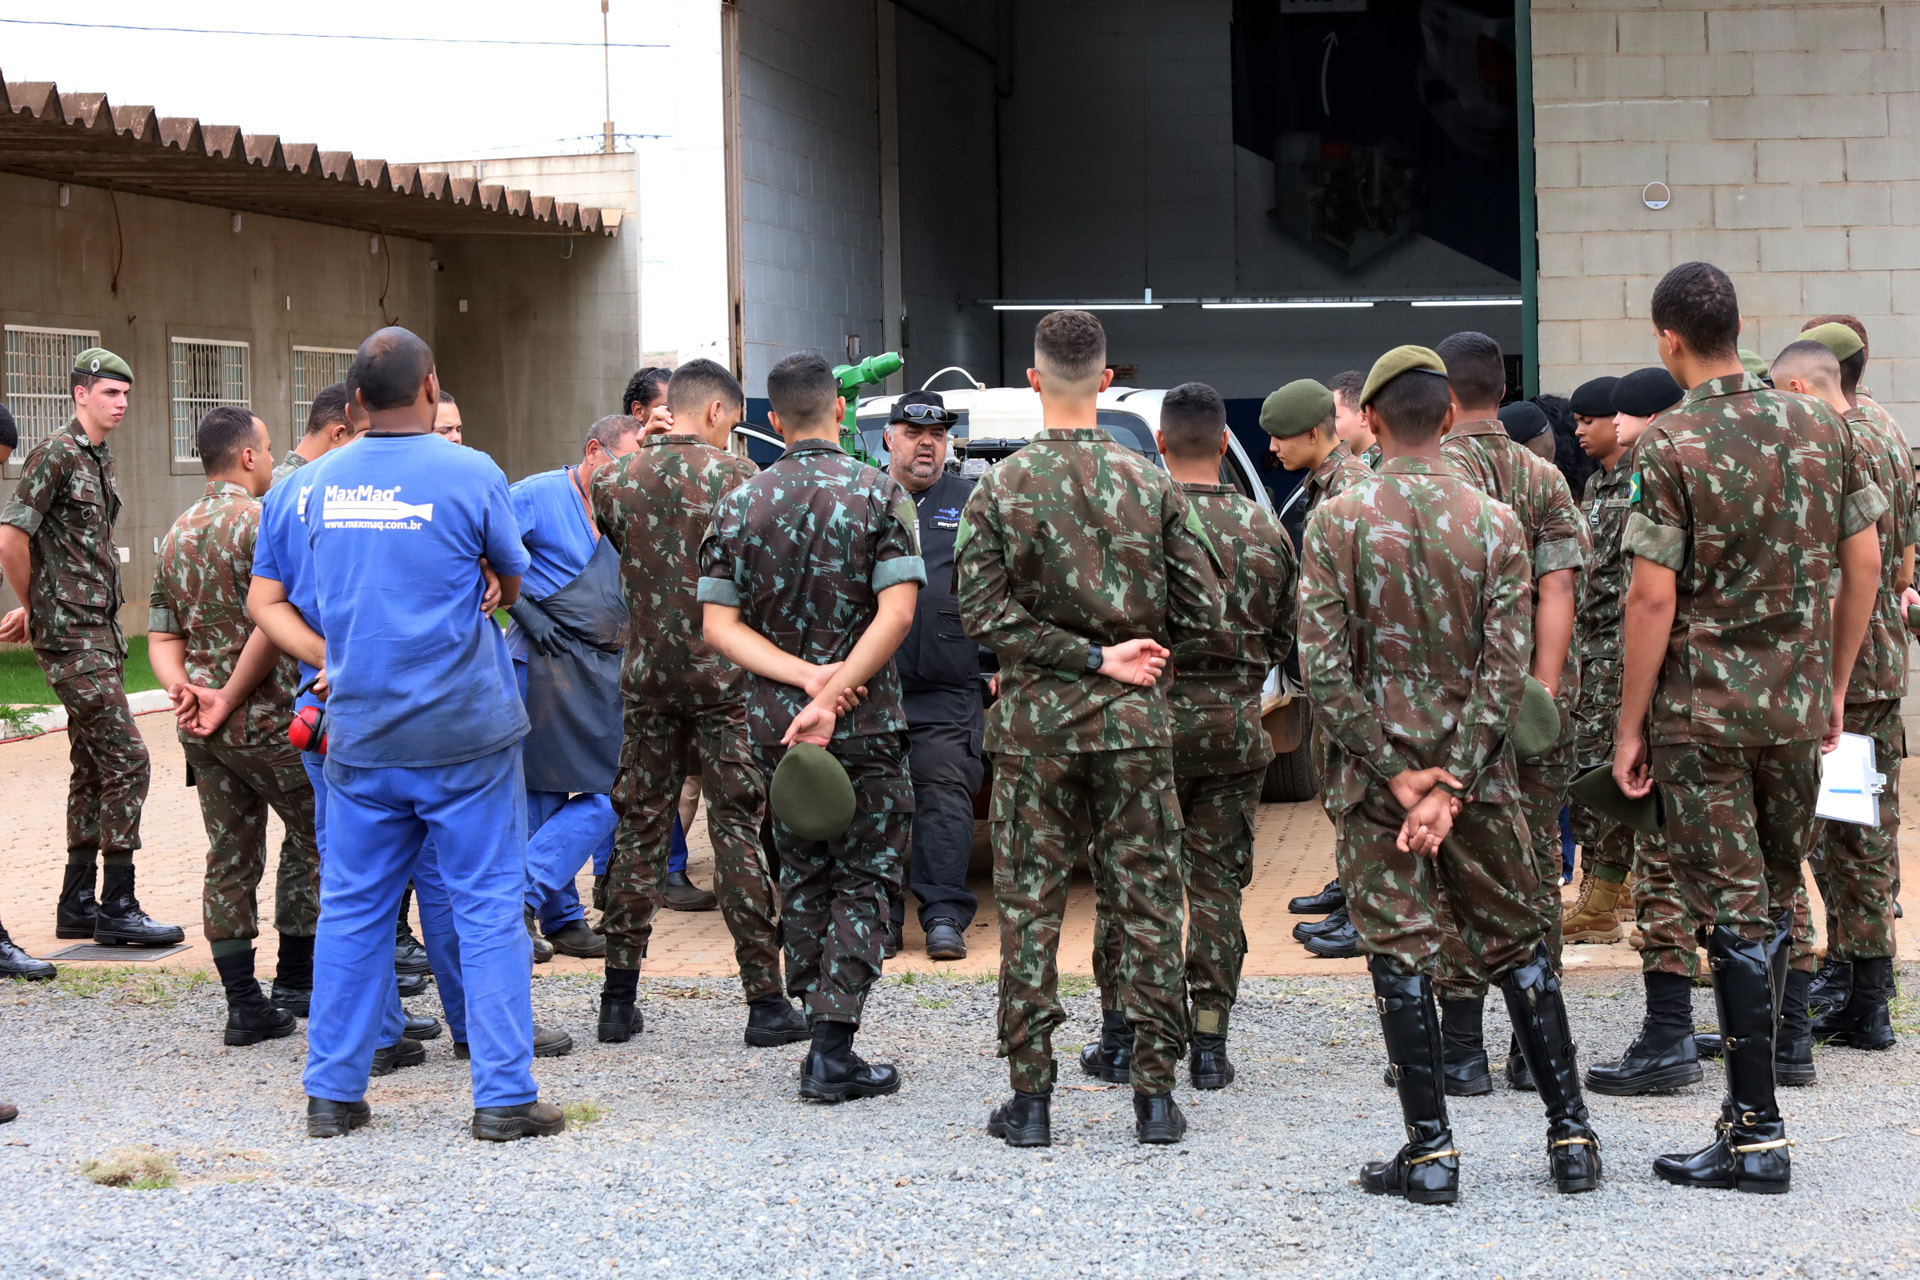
(308, 731)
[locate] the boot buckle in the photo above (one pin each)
(1433, 1155)
(1571, 1142)
(1749, 1148)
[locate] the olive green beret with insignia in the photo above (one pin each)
(102, 363)
(1396, 362)
(1296, 409)
(1835, 337)
(811, 793)
(1752, 362)
(1538, 726)
(1594, 787)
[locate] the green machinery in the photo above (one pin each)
(868, 373)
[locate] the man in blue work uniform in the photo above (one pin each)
(939, 670)
(570, 625)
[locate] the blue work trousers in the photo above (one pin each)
(474, 813)
(564, 834)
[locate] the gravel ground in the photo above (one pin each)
(701, 1161)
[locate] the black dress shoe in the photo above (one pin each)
(620, 1021)
(944, 941)
(1110, 1058)
(682, 894)
(421, 1028)
(16, 963)
(1023, 1120)
(1208, 1065)
(528, 1120)
(413, 984)
(833, 1072)
(1331, 898)
(1335, 922)
(890, 941)
(409, 955)
(547, 1043)
(73, 916)
(295, 1000)
(119, 921)
(772, 1020)
(389, 1058)
(1157, 1120)
(329, 1119)
(1646, 1069)
(576, 939)
(1342, 943)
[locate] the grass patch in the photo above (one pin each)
(933, 1002)
(21, 681)
(134, 1168)
(17, 722)
(581, 1114)
(130, 984)
(1077, 984)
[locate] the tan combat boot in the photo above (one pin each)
(1593, 917)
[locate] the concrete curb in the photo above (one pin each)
(54, 719)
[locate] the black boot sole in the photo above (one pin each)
(1159, 1135)
(1211, 1080)
(513, 1128)
(761, 1038)
(1030, 1135)
(108, 938)
(613, 1033)
(337, 1126)
(1665, 1080)
(814, 1089)
(1122, 1075)
(1574, 1186)
(240, 1036)
(73, 931)
(1752, 1188)
(1795, 1075)
(1447, 1196)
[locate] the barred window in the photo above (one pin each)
(315, 368)
(39, 389)
(207, 373)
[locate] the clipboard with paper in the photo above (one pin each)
(1850, 786)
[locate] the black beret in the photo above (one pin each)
(1523, 420)
(1593, 399)
(1645, 392)
(9, 434)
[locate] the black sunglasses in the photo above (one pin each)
(926, 415)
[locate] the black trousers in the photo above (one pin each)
(944, 732)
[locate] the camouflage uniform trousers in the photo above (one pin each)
(1543, 787)
(1217, 853)
(111, 770)
(1740, 822)
(834, 893)
(1669, 940)
(1043, 811)
(1483, 878)
(1858, 866)
(662, 745)
(237, 786)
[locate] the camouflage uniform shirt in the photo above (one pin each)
(1061, 546)
(1880, 670)
(290, 462)
(1419, 548)
(1603, 598)
(66, 503)
(1218, 678)
(1337, 472)
(804, 550)
(655, 506)
(1371, 457)
(200, 592)
(1746, 493)
(1484, 453)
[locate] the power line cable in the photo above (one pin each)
(332, 35)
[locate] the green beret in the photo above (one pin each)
(1835, 337)
(811, 793)
(1594, 787)
(1396, 362)
(102, 363)
(1538, 726)
(1913, 618)
(1296, 409)
(1754, 365)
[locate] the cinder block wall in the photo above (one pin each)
(1790, 140)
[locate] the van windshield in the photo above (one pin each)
(1130, 429)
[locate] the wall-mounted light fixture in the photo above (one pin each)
(236, 224)
(1467, 302)
(1283, 306)
(66, 195)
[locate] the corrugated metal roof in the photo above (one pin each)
(79, 137)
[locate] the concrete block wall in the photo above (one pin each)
(1789, 137)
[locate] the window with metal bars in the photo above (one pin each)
(39, 387)
(315, 368)
(207, 373)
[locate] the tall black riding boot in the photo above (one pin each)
(73, 917)
(119, 918)
(1111, 1058)
(251, 1017)
(1427, 1169)
(1750, 1151)
(1539, 1015)
(1863, 1022)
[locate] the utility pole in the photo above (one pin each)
(606, 72)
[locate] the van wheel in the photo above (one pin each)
(1291, 777)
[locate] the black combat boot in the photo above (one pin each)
(1539, 1015)
(119, 920)
(620, 1019)
(421, 1027)
(409, 953)
(1863, 1021)
(542, 949)
(1519, 1077)
(833, 1072)
(1024, 1120)
(1463, 1047)
(1663, 1056)
(1829, 987)
(772, 1020)
(1341, 943)
(293, 975)
(1336, 922)
(412, 984)
(1749, 1151)
(251, 1017)
(1427, 1169)
(1208, 1065)
(1331, 898)
(403, 1052)
(73, 917)
(16, 963)
(329, 1119)
(528, 1120)
(1793, 1040)
(1157, 1119)
(1111, 1058)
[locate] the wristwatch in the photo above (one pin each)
(1095, 656)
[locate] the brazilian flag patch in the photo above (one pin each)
(1633, 489)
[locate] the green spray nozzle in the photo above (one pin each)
(851, 377)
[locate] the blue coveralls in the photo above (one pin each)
(281, 553)
(424, 734)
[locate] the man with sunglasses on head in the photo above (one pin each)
(939, 670)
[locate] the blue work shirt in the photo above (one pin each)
(281, 551)
(419, 676)
(558, 535)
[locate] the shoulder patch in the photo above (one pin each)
(1199, 531)
(962, 538)
(1633, 488)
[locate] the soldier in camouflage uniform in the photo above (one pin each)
(56, 547)
(1748, 501)
(1077, 562)
(1479, 448)
(809, 575)
(198, 635)
(1350, 420)
(1859, 862)
(685, 707)
(1415, 626)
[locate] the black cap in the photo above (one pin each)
(1645, 392)
(1523, 420)
(899, 410)
(9, 434)
(1593, 399)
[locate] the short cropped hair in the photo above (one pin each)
(329, 408)
(1348, 386)
(389, 368)
(1810, 360)
(801, 389)
(9, 430)
(224, 431)
(698, 383)
(1696, 300)
(610, 429)
(645, 388)
(1192, 416)
(1854, 365)
(1413, 406)
(1474, 367)
(1070, 345)
(446, 396)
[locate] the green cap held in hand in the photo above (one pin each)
(1538, 726)
(811, 793)
(1594, 787)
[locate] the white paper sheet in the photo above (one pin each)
(1849, 785)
